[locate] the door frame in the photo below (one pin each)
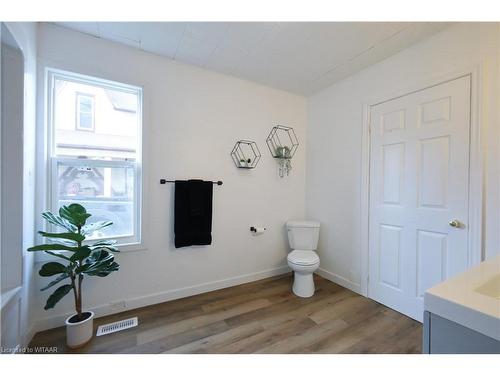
(476, 165)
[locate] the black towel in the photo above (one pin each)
(193, 213)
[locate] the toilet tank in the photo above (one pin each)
(303, 235)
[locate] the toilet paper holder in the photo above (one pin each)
(254, 230)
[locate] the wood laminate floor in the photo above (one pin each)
(258, 317)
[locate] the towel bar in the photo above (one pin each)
(163, 181)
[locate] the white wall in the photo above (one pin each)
(12, 166)
(193, 117)
(334, 136)
(24, 34)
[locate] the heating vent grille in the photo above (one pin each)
(116, 326)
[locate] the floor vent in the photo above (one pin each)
(116, 326)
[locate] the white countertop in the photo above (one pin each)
(469, 299)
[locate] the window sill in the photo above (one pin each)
(127, 248)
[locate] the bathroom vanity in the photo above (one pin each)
(462, 314)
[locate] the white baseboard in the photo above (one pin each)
(152, 299)
(337, 279)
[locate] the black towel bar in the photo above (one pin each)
(163, 181)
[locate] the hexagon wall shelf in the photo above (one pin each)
(245, 154)
(282, 142)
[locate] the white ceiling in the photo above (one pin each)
(301, 57)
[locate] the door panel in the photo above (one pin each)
(390, 256)
(432, 249)
(393, 173)
(419, 178)
(433, 160)
(434, 111)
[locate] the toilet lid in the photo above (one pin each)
(303, 257)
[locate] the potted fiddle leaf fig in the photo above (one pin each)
(78, 259)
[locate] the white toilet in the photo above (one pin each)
(303, 239)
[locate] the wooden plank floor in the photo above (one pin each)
(258, 317)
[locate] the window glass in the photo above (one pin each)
(85, 115)
(95, 163)
(107, 192)
(112, 114)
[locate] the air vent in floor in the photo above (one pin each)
(116, 326)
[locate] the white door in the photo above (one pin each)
(419, 181)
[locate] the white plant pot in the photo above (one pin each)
(80, 333)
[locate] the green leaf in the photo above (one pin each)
(57, 295)
(55, 281)
(100, 263)
(66, 236)
(52, 246)
(104, 270)
(75, 213)
(57, 255)
(83, 268)
(100, 256)
(114, 249)
(81, 254)
(97, 267)
(62, 241)
(97, 260)
(105, 245)
(52, 268)
(59, 221)
(91, 228)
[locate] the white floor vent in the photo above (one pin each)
(116, 326)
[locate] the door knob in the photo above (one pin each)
(455, 223)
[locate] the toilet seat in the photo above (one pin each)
(303, 257)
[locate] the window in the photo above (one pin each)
(85, 112)
(99, 167)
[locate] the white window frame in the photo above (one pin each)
(80, 95)
(125, 243)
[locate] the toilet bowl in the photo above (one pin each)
(303, 264)
(303, 237)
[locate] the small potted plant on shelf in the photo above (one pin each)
(78, 260)
(244, 163)
(283, 154)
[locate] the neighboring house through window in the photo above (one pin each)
(100, 167)
(85, 112)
